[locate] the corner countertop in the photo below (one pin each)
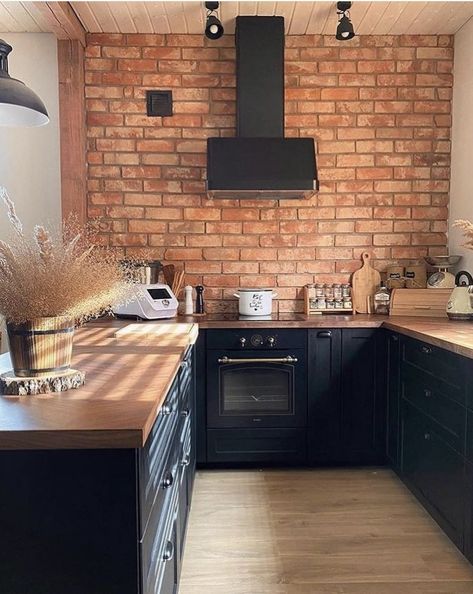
(126, 383)
(128, 377)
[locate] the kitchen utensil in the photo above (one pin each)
(255, 302)
(442, 279)
(189, 303)
(416, 276)
(146, 273)
(459, 306)
(365, 281)
(419, 302)
(149, 302)
(168, 273)
(178, 282)
(199, 300)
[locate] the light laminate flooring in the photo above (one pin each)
(329, 531)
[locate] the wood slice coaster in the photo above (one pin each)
(10, 384)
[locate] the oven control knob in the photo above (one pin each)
(271, 341)
(256, 340)
(242, 341)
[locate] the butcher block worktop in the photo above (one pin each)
(130, 369)
(127, 380)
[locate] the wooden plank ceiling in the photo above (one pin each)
(369, 18)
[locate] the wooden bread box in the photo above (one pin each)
(420, 302)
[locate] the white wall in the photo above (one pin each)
(461, 189)
(30, 157)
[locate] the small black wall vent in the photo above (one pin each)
(159, 103)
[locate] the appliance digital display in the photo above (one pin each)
(156, 294)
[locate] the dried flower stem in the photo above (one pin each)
(57, 273)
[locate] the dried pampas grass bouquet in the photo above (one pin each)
(50, 281)
(57, 273)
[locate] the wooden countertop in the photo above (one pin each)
(126, 383)
(454, 336)
(128, 377)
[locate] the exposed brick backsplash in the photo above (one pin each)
(379, 108)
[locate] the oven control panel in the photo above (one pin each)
(256, 339)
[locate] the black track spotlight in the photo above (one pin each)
(345, 26)
(213, 26)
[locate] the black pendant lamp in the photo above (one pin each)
(345, 29)
(19, 105)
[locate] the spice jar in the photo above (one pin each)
(347, 303)
(328, 291)
(337, 291)
(330, 303)
(346, 290)
(339, 303)
(319, 290)
(321, 303)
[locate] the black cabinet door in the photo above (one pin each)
(362, 400)
(392, 379)
(324, 426)
(434, 470)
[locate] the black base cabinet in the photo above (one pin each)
(431, 387)
(346, 400)
(101, 521)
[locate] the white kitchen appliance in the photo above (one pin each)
(459, 306)
(255, 302)
(149, 302)
(442, 279)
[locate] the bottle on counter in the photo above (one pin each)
(381, 300)
(199, 300)
(188, 302)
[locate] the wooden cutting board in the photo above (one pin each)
(365, 281)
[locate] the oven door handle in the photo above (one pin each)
(288, 359)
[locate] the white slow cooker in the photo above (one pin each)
(255, 302)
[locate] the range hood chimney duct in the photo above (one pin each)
(260, 162)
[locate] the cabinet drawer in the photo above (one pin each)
(185, 376)
(246, 446)
(434, 469)
(469, 435)
(159, 551)
(153, 457)
(425, 392)
(447, 366)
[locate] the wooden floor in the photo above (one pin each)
(337, 531)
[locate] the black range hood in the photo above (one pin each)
(260, 162)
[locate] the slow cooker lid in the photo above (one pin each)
(254, 290)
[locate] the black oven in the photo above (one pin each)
(256, 378)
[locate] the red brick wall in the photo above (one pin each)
(378, 107)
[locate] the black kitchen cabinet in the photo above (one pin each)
(102, 520)
(324, 433)
(392, 385)
(362, 397)
(345, 399)
(434, 470)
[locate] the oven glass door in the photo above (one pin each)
(254, 388)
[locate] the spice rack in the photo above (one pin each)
(336, 299)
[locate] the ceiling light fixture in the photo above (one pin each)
(19, 105)
(345, 27)
(213, 26)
